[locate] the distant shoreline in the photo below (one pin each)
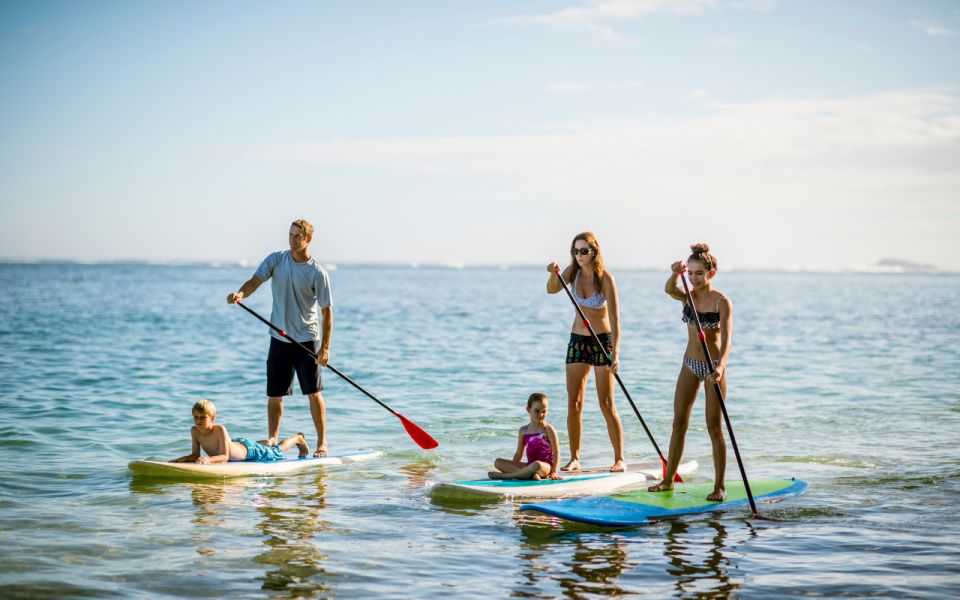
(906, 269)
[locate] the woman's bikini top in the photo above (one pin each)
(595, 301)
(708, 320)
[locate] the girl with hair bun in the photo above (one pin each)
(595, 291)
(716, 318)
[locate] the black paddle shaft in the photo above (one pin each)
(586, 323)
(716, 386)
(314, 355)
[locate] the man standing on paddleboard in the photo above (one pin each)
(300, 286)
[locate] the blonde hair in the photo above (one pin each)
(536, 397)
(304, 226)
(205, 407)
(598, 269)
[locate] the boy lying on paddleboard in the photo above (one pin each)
(215, 440)
(539, 439)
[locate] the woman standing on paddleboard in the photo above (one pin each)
(716, 318)
(595, 291)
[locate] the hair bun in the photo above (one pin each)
(700, 248)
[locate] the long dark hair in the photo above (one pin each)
(598, 270)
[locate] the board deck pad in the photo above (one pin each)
(636, 507)
(156, 468)
(572, 483)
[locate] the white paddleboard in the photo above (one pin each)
(572, 483)
(158, 468)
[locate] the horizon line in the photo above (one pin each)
(892, 267)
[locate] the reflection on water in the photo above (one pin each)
(596, 568)
(291, 522)
(418, 473)
(592, 564)
(589, 568)
(699, 562)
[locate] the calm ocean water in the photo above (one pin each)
(846, 381)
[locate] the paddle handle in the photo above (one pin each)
(586, 323)
(716, 386)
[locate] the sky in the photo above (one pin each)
(786, 134)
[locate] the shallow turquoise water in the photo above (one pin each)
(846, 381)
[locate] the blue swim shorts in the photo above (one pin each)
(259, 452)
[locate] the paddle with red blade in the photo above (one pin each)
(421, 437)
(586, 323)
(716, 386)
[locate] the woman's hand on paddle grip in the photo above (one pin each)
(717, 374)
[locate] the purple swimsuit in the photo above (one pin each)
(538, 447)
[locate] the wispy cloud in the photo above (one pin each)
(858, 174)
(825, 146)
(934, 29)
(598, 17)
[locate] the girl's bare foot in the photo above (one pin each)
(536, 476)
(717, 495)
(302, 446)
(663, 486)
(573, 465)
(618, 467)
(495, 475)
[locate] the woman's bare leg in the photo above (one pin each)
(683, 398)
(715, 428)
(604, 381)
(577, 374)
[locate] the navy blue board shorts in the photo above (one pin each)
(285, 359)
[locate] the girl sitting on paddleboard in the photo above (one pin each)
(595, 291)
(716, 318)
(538, 440)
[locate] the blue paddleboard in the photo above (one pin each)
(637, 507)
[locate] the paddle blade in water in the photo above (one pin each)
(421, 437)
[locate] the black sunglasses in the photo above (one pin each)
(581, 251)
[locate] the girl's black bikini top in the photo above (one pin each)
(708, 320)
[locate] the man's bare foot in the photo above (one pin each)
(573, 465)
(717, 495)
(270, 441)
(663, 486)
(302, 445)
(321, 451)
(618, 467)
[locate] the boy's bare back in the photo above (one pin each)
(216, 442)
